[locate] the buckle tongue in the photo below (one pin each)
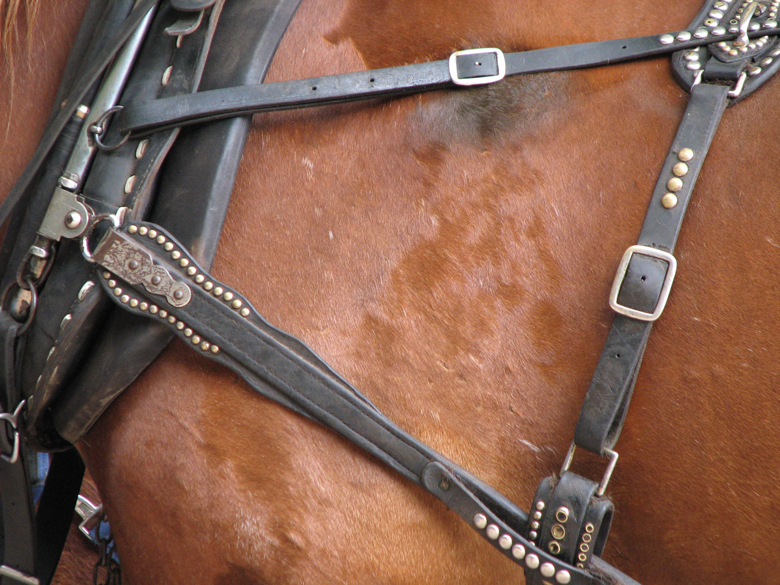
(665, 288)
(477, 66)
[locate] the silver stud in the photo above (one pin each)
(192, 271)
(480, 521)
(754, 27)
(718, 31)
(733, 52)
(228, 296)
(685, 154)
(171, 319)
(143, 230)
(161, 239)
(134, 303)
(518, 551)
(563, 577)
(700, 33)
(666, 39)
(669, 200)
(775, 53)
(766, 62)
(562, 514)
(532, 561)
(153, 309)
(755, 71)
(124, 298)
(680, 169)
(214, 349)
(140, 150)
(533, 534)
(132, 229)
(535, 525)
(200, 278)
(218, 291)
(237, 304)
(505, 541)
(245, 312)
(770, 24)
(167, 75)
(547, 570)
(152, 234)
(683, 36)
(88, 287)
(143, 306)
(205, 346)
(195, 339)
(117, 291)
(175, 254)
(188, 332)
(716, 14)
(184, 263)
(674, 184)
(168, 246)
(691, 56)
(209, 285)
(129, 184)
(65, 320)
(178, 295)
(163, 313)
(492, 531)
(540, 506)
(537, 515)
(73, 220)
(693, 66)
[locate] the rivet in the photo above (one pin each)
(140, 150)
(755, 71)
(156, 279)
(143, 306)
(537, 515)
(153, 309)
(666, 39)
(134, 303)
(188, 332)
(195, 339)
(683, 36)
(192, 271)
(218, 291)
(584, 547)
(718, 31)
(180, 326)
(209, 285)
(214, 349)
(547, 569)
(562, 514)
(586, 537)
(733, 52)
(563, 577)
(532, 561)
(143, 230)
(117, 291)
(171, 319)
(685, 154)
(518, 551)
(124, 298)
(582, 557)
(693, 66)
(680, 169)
(72, 220)
(132, 229)
(245, 312)
(533, 534)
(492, 531)
(129, 184)
(770, 24)
(535, 525)
(65, 320)
(184, 263)
(152, 234)
(716, 14)
(133, 264)
(480, 521)
(589, 527)
(200, 278)
(168, 246)
(161, 239)
(558, 531)
(178, 294)
(237, 304)
(205, 346)
(111, 283)
(767, 61)
(754, 27)
(175, 254)
(167, 75)
(505, 541)
(701, 33)
(228, 296)
(674, 184)
(540, 506)
(163, 313)
(692, 56)
(106, 274)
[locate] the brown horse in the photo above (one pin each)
(451, 255)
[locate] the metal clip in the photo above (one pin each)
(13, 420)
(90, 515)
(613, 457)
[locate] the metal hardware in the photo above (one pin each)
(457, 80)
(26, 294)
(739, 86)
(744, 22)
(90, 515)
(116, 220)
(18, 576)
(613, 457)
(13, 420)
(97, 130)
(59, 221)
(665, 289)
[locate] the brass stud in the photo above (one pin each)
(218, 291)
(669, 200)
(117, 291)
(184, 263)
(674, 184)
(124, 298)
(152, 234)
(680, 169)
(535, 525)
(143, 230)
(214, 349)
(205, 346)
(192, 271)
(228, 296)
(153, 309)
(540, 506)
(134, 303)
(188, 332)
(245, 312)
(168, 246)
(685, 154)
(175, 254)
(161, 239)
(200, 278)
(163, 314)
(132, 229)
(196, 339)
(537, 515)
(209, 285)
(171, 319)
(111, 283)
(237, 304)
(143, 306)
(554, 547)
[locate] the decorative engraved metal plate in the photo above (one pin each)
(132, 263)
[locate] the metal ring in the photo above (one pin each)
(115, 221)
(97, 129)
(33, 303)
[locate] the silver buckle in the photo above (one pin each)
(477, 80)
(665, 289)
(90, 515)
(13, 420)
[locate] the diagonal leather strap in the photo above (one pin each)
(393, 81)
(606, 402)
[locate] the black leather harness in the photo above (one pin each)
(115, 226)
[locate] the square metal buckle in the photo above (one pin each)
(457, 80)
(665, 289)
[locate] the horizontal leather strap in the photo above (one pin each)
(393, 81)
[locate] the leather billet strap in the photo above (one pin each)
(394, 81)
(149, 273)
(638, 289)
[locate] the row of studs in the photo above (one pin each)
(493, 532)
(675, 184)
(197, 277)
(584, 546)
(558, 530)
(692, 57)
(126, 299)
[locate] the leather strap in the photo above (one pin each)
(214, 105)
(606, 402)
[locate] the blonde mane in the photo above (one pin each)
(11, 14)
